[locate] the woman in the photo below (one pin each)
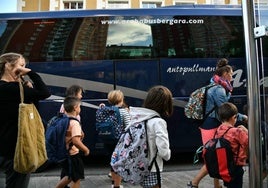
(216, 96)
(12, 71)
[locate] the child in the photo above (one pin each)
(237, 136)
(116, 98)
(73, 91)
(157, 103)
(74, 138)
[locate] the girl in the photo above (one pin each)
(158, 104)
(116, 98)
(73, 91)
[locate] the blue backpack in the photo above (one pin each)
(55, 138)
(108, 123)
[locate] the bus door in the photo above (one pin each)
(262, 50)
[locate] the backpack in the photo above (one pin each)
(219, 158)
(108, 123)
(130, 157)
(196, 105)
(55, 135)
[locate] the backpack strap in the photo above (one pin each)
(236, 157)
(121, 122)
(73, 118)
(238, 144)
(71, 144)
(157, 170)
(216, 132)
(205, 115)
(154, 159)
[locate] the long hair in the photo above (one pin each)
(159, 99)
(8, 58)
(222, 67)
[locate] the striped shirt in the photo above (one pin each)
(125, 117)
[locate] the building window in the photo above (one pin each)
(185, 2)
(219, 2)
(73, 5)
(262, 2)
(151, 4)
(117, 4)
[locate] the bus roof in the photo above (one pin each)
(195, 10)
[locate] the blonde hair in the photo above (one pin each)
(115, 97)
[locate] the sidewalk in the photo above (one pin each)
(175, 176)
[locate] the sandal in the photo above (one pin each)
(190, 185)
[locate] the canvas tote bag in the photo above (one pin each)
(30, 151)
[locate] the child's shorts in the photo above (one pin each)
(74, 168)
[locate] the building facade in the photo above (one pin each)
(54, 5)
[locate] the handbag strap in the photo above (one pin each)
(21, 92)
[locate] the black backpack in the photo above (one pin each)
(219, 158)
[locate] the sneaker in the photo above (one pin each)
(110, 175)
(190, 185)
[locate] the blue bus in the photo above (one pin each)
(132, 50)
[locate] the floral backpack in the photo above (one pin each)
(196, 106)
(130, 157)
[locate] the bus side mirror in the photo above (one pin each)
(260, 31)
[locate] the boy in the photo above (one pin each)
(74, 172)
(238, 138)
